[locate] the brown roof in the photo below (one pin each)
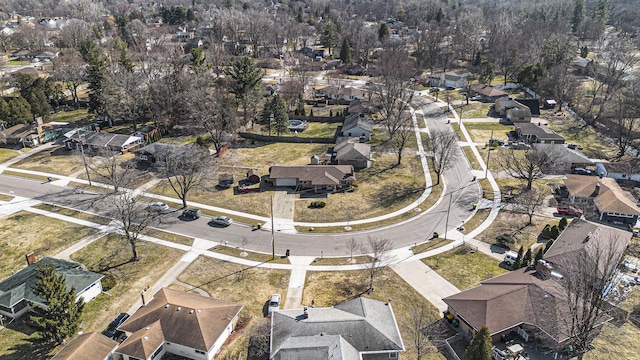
(144, 342)
(316, 174)
(610, 198)
(190, 320)
(488, 91)
(89, 346)
(350, 148)
(539, 131)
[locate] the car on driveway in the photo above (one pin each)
(112, 330)
(581, 171)
(476, 98)
(158, 206)
(222, 220)
(274, 303)
(569, 210)
(192, 214)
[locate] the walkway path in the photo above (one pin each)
(426, 282)
(297, 279)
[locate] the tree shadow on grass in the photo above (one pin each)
(31, 348)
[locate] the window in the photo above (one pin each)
(143, 157)
(393, 355)
(200, 352)
(156, 353)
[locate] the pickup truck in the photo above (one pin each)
(569, 210)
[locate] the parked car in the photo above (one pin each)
(158, 206)
(569, 210)
(274, 303)
(222, 220)
(192, 213)
(112, 330)
(575, 146)
(510, 257)
(581, 171)
(476, 98)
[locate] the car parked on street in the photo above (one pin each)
(192, 214)
(158, 207)
(222, 220)
(112, 331)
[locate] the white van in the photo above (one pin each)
(274, 303)
(510, 257)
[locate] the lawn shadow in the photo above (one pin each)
(31, 348)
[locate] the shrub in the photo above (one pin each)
(563, 223)
(554, 232)
(505, 240)
(318, 204)
(108, 282)
(548, 246)
(546, 232)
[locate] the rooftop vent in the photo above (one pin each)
(145, 338)
(178, 308)
(147, 328)
(199, 311)
(191, 311)
(166, 306)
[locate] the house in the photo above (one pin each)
(23, 134)
(179, 323)
(532, 133)
(97, 141)
(530, 300)
(613, 203)
(357, 125)
(88, 346)
(316, 177)
(448, 79)
(358, 329)
(532, 104)
(628, 169)
(487, 92)
(340, 93)
(512, 110)
(351, 151)
(16, 292)
(151, 152)
(566, 158)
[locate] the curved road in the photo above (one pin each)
(459, 195)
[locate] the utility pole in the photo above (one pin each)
(273, 240)
(446, 225)
(84, 160)
(486, 170)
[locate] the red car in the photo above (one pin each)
(569, 210)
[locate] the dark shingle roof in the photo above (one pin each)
(357, 120)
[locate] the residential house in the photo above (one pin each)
(97, 141)
(532, 104)
(358, 329)
(487, 92)
(341, 93)
(316, 177)
(351, 151)
(532, 133)
(530, 300)
(612, 203)
(566, 159)
(357, 125)
(16, 291)
(179, 323)
(88, 346)
(628, 169)
(448, 79)
(151, 152)
(512, 110)
(23, 134)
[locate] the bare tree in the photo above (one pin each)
(442, 146)
(110, 169)
(352, 245)
(530, 165)
(380, 252)
(71, 70)
(131, 217)
(589, 282)
(625, 116)
(529, 201)
(185, 168)
(259, 339)
(417, 328)
(74, 32)
(124, 95)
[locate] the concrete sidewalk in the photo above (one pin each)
(426, 282)
(297, 280)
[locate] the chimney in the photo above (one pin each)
(543, 268)
(31, 258)
(597, 190)
(143, 295)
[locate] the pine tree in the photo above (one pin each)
(539, 254)
(517, 264)
(526, 260)
(563, 223)
(548, 246)
(383, 32)
(266, 115)
(345, 52)
(480, 346)
(280, 116)
(92, 55)
(329, 36)
(62, 317)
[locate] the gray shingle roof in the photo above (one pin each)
(357, 120)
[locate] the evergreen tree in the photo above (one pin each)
(245, 82)
(300, 15)
(198, 60)
(62, 317)
(526, 260)
(548, 246)
(383, 32)
(578, 15)
(329, 36)
(266, 116)
(92, 55)
(539, 254)
(480, 346)
(345, 52)
(280, 116)
(300, 107)
(563, 223)
(17, 111)
(517, 264)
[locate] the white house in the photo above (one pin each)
(357, 125)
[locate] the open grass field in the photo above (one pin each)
(330, 288)
(7, 154)
(515, 224)
(58, 160)
(110, 255)
(474, 110)
(480, 132)
(74, 213)
(616, 342)
(464, 267)
(317, 129)
(23, 232)
(232, 282)
(574, 132)
(69, 116)
(381, 189)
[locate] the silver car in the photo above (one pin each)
(222, 220)
(158, 206)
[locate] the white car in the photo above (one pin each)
(158, 206)
(274, 303)
(222, 220)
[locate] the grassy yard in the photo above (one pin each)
(574, 132)
(7, 154)
(381, 189)
(616, 342)
(464, 267)
(317, 129)
(27, 176)
(480, 132)
(330, 288)
(4, 197)
(232, 282)
(434, 244)
(59, 160)
(515, 224)
(254, 256)
(69, 116)
(24, 232)
(74, 213)
(111, 255)
(474, 110)
(20, 342)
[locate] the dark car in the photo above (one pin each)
(112, 330)
(192, 213)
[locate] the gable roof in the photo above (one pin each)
(316, 174)
(88, 346)
(144, 342)
(541, 132)
(101, 139)
(350, 148)
(154, 148)
(187, 319)
(345, 330)
(448, 76)
(488, 91)
(519, 113)
(20, 286)
(609, 198)
(567, 155)
(357, 120)
(532, 104)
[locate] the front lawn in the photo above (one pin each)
(481, 132)
(24, 232)
(474, 110)
(7, 154)
(69, 116)
(464, 267)
(515, 225)
(59, 160)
